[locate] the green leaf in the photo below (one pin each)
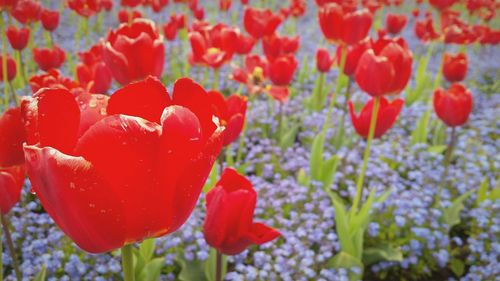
(347, 261)
(212, 179)
(451, 215)
(482, 191)
(338, 138)
(139, 263)
(316, 160)
(419, 135)
(382, 252)
(288, 138)
(362, 218)
(328, 171)
(342, 226)
(152, 270)
(211, 263)
(229, 158)
(192, 271)
(437, 149)
(42, 274)
(303, 178)
(147, 249)
(457, 266)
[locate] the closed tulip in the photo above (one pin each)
(229, 225)
(323, 60)
(170, 30)
(394, 23)
(27, 11)
(11, 183)
(354, 52)
(11, 68)
(50, 19)
(424, 30)
(93, 72)
(442, 4)
(85, 8)
(260, 22)
(275, 46)
(18, 38)
(113, 171)
(453, 106)
(124, 16)
(282, 69)
(244, 43)
(212, 45)
(455, 66)
(47, 58)
(231, 112)
(12, 137)
(386, 116)
(385, 68)
(134, 51)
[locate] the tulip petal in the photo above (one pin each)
(261, 233)
(11, 183)
(12, 136)
(374, 74)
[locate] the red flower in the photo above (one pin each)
(229, 225)
(47, 58)
(386, 116)
(50, 19)
(124, 16)
(244, 43)
(455, 67)
(275, 46)
(260, 22)
(339, 24)
(147, 155)
(395, 22)
(254, 73)
(85, 8)
(424, 29)
(323, 60)
(132, 52)
(442, 4)
(385, 68)
(225, 5)
(212, 45)
(131, 3)
(107, 5)
(282, 69)
(298, 8)
(454, 105)
(12, 137)
(354, 52)
(7, 5)
(11, 68)
(231, 113)
(11, 183)
(53, 79)
(170, 30)
(18, 38)
(93, 72)
(278, 93)
(27, 11)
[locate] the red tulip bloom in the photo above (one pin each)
(394, 23)
(282, 69)
(47, 58)
(278, 93)
(244, 43)
(229, 225)
(18, 38)
(212, 45)
(260, 22)
(7, 5)
(27, 11)
(340, 25)
(12, 137)
(276, 46)
(124, 16)
(455, 66)
(298, 8)
(225, 5)
(354, 52)
(453, 106)
(253, 74)
(107, 5)
(385, 68)
(386, 116)
(11, 68)
(424, 30)
(93, 72)
(85, 8)
(134, 51)
(53, 79)
(11, 183)
(231, 113)
(50, 19)
(170, 30)
(147, 154)
(442, 4)
(323, 60)
(131, 3)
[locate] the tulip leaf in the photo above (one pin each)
(338, 138)
(328, 171)
(451, 215)
(152, 270)
(42, 274)
(419, 134)
(482, 191)
(361, 219)
(316, 160)
(147, 249)
(347, 261)
(288, 138)
(437, 149)
(211, 263)
(303, 178)
(192, 270)
(457, 266)
(382, 252)
(342, 225)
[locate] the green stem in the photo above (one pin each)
(241, 144)
(10, 245)
(128, 263)
(343, 55)
(218, 267)
(215, 83)
(446, 163)
(366, 156)
(319, 94)
(4, 64)
(22, 69)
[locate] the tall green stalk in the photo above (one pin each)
(128, 263)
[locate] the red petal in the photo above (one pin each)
(11, 183)
(262, 233)
(12, 137)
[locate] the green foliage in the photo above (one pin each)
(210, 265)
(451, 215)
(42, 274)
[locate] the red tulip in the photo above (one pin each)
(454, 105)
(11, 68)
(131, 3)
(244, 43)
(124, 16)
(229, 225)
(27, 11)
(425, 31)
(53, 79)
(282, 69)
(156, 5)
(199, 13)
(170, 30)
(253, 75)
(278, 93)
(93, 72)
(298, 8)
(107, 5)
(385, 68)
(225, 5)
(231, 113)
(386, 116)
(354, 52)
(147, 155)
(11, 183)
(212, 45)
(85, 8)
(7, 5)
(275, 46)
(18, 38)
(455, 67)
(260, 22)
(47, 58)
(180, 19)
(442, 4)
(12, 137)
(134, 51)
(395, 22)
(323, 60)
(341, 25)
(50, 19)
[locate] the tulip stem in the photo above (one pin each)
(10, 245)
(215, 84)
(218, 267)
(343, 55)
(4, 63)
(319, 95)
(128, 263)
(446, 162)
(22, 69)
(366, 156)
